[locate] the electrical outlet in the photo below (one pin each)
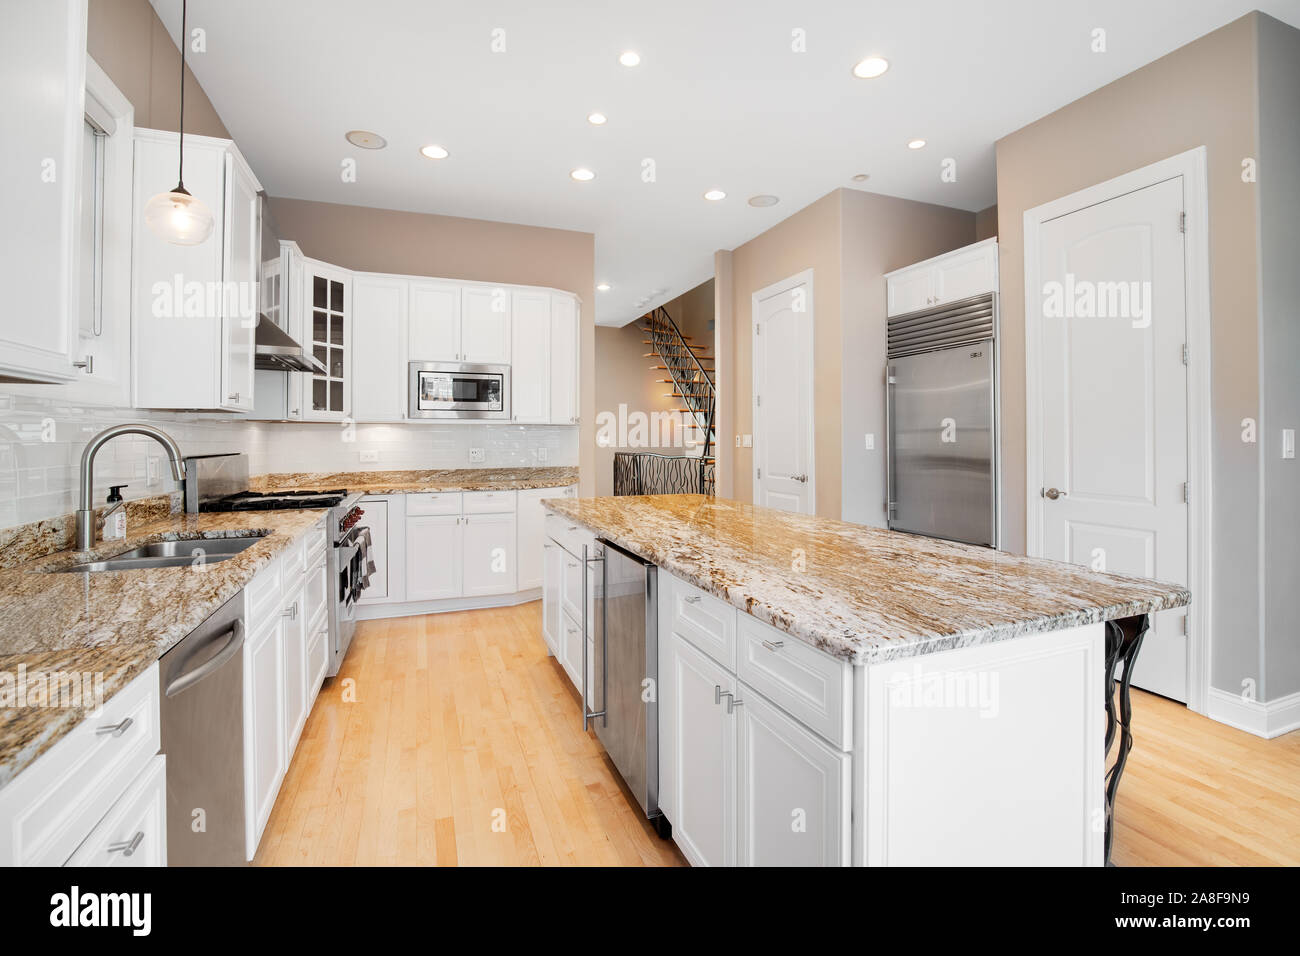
(737, 441)
(477, 456)
(1288, 443)
(871, 442)
(541, 455)
(369, 457)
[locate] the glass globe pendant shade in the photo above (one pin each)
(178, 217)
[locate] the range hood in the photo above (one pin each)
(277, 351)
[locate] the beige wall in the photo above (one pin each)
(986, 223)
(411, 243)
(129, 42)
(1203, 94)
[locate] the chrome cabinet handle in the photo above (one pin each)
(291, 612)
(692, 599)
(1053, 493)
(115, 730)
(573, 527)
(774, 645)
(127, 847)
(233, 397)
(732, 704)
(719, 693)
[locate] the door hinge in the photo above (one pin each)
(1182, 222)
(758, 400)
(1187, 493)
(759, 472)
(1184, 353)
(758, 328)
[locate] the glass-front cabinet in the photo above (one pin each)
(328, 302)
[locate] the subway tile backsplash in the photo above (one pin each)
(41, 440)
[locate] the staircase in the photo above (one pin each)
(690, 373)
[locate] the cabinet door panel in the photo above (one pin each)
(552, 615)
(488, 554)
(530, 371)
(794, 790)
(378, 359)
(909, 291)
(376, 518)
(531, 534)
(434, 327)
(243, 240)
(704, 755)
(433, 549)
(967, 273)
(485, 325)
(264, 756)
(294, 635)
(564, 360)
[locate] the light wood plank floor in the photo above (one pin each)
(464, 746)
(461, 720)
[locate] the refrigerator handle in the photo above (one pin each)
(588, 716)
(889, 445)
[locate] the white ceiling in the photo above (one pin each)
(719, 100)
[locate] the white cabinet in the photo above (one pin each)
(530, 371)
(134, 832)
(326, 304)
(278, 396)
(485, 325)
(532, 534)
(794, 790)
(564, 360)
(433, 557)
(971, 270)
(379, 317)
(385, 516)
(42, 90)
(434, 324)
(488, 554)
(265, 759)
(701, 755)
(194, 310)
(294, 635)
(552, 618)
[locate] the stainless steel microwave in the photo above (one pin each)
(459, 390)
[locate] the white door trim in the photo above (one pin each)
(785, 285)
(1191, 165)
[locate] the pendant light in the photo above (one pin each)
(177, 216)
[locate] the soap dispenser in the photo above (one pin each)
(115, 516)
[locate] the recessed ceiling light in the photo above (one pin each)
(582, 174)
(764, 200)
(861, 177)
(434, 151)
(596, 119)
(915, 143)
(870, 68)
(365, 139)
(713, 195)
(602, 287)
(629, 58)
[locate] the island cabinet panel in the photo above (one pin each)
(813, 687)
(552, 581)
(1012, 738)
(706, 621)
(700, 763)
(794, 790)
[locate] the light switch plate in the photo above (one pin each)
(737, 440)
(748, 441)
(153, 469)
(541, 455)
(369, 457)
(1288, 443)
(871, 442)
(477, 456)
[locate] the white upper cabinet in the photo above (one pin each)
(485, 325)
(564, 359)
(327, 331)
(530, 372)
(195, 307)
(971, 270)
(434, 327)
(379, 315)
(42, 81)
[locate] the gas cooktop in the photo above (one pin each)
(275, 500)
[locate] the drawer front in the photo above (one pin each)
(48, 809)
(262, 594)
(490, 502)
(313, 548)
(812, 687)
(706, 621)
(317, 647)
(569, 535)
(134, 833)
(571, 573)
(434, 503)
(314, 597)
(292, 566)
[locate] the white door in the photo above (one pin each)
(1114, 401)
(432, 557)
(488, 554)
(378, 359)
(485, 326)
(783, 395)
(243, 258)
(704, 756)
(564, 360)
(434, 323)
(794, 791)
(530, 348)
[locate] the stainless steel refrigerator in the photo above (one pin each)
(941, 408)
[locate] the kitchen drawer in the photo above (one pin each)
(571, 575)
(490, 502)
(262, 594)
(47, 811)
(812, 687)
(569, 535)
(433, 503)
(318, 641)
(314, 547)
(314, 597)
(292, 566)
(706, 621)
(134, 832)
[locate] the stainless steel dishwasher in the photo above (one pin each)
(202, 724)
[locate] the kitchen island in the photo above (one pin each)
(832, 693)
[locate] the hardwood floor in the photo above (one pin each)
(1200, 793)
(463, 746)
(460, 721)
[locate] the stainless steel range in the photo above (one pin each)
(219, 483)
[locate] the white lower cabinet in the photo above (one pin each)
(264, 753)
(488, 554)
(552, 578)
(433, 550)
(134, 833)
(296, 704)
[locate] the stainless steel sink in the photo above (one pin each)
(171, 554)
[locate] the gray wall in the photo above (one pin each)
(1279, 359)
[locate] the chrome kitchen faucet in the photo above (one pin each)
(86, 524)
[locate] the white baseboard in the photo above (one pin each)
(373, 612)
(1261, 718)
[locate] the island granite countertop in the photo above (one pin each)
(426, 480)
(115, 624)
(862, 594)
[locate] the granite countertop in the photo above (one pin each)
(862, 594)
(402, 482)
(116, 623)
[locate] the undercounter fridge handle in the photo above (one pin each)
(587, 561)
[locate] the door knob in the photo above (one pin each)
(802, 479)
(1053, 493)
